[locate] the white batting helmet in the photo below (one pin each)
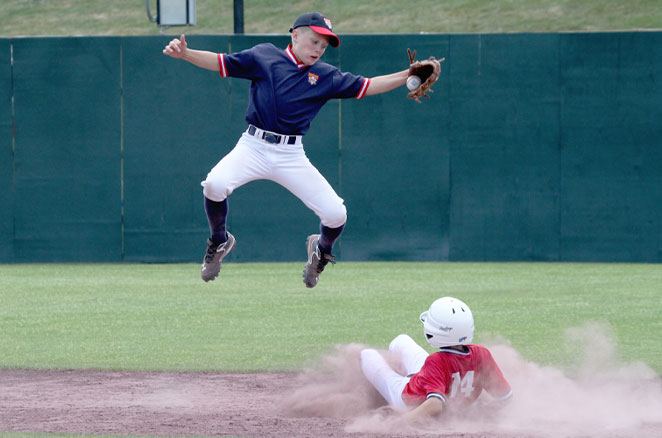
(448, 322)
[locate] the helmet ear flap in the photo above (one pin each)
(424, 316)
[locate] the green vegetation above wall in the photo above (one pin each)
(128, 17)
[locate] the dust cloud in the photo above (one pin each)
(335, 387)
(599, 395)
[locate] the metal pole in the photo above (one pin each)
(238, 16)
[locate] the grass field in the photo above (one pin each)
(260, 317)
(128, 17)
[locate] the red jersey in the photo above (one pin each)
(457, 375)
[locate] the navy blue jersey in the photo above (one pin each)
(286, 94)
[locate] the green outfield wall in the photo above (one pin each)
(6, 155)
(533, 147)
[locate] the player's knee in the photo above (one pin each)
(215, 189)
(400, 342)
(335, 217)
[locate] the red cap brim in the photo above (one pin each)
(333, 38)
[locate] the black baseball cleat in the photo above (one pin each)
(317, 260)
(211, 265)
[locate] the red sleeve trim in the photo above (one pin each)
(364, 88)
(221, 64)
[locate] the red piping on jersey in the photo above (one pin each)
(364, 88)
(221, 64)
(293, 57)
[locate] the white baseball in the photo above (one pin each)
(413, 82)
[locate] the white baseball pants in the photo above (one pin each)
(389, 383)
(253, 159)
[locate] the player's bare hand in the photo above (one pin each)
(176, 48)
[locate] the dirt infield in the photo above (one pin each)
(330, 400)
(91, 402)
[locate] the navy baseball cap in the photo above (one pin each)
(319, 23)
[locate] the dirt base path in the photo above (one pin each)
(141, 403)
(331, 400)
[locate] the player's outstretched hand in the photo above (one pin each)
(427, 71)
(176, 48)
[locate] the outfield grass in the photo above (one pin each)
(258, 317)
(128, 17)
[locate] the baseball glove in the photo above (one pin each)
(428, 71)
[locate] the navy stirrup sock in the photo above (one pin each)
(328, 237)
(217, 214)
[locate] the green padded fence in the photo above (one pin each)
(6, 156)
(504, 133)
(67, 97)
(533, 147)
(611, 147)
(175, 121)
(395, 157)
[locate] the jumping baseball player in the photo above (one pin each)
(288, 88)
(454, 376)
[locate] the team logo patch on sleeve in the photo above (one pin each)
(312, 78)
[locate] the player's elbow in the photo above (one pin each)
(435, 408)
(430, 408)
(497, 403)
(504, 398)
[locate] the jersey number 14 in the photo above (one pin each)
(464, 384)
